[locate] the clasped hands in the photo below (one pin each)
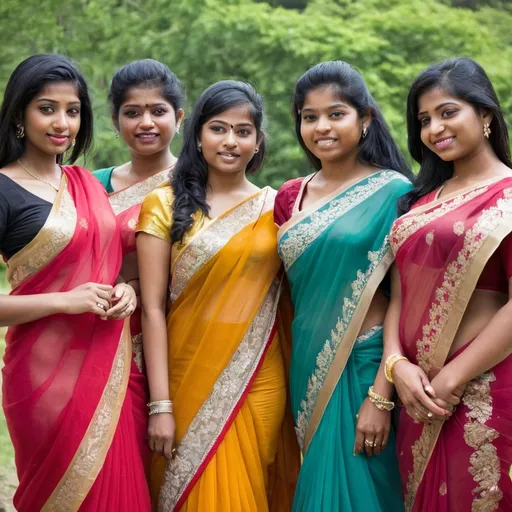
(426, 400)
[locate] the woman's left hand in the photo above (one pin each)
(372, 429)
(124, 302)
(446, 389)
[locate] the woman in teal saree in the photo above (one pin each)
(334, 243)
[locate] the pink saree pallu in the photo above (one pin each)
(65, 376)
(462, 464)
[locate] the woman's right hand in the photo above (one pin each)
(161, 431)
(412, 385)
(88, 298)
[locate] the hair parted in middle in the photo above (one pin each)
(378, 147)
(190, 175)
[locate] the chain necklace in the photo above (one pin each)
(39, 178)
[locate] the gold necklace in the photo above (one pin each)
(39, 178)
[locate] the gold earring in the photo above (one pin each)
(73, 143)
(20, 131)
(365, 132)
(487, 130)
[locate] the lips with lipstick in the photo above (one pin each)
(325, 142)
(228, 156)
(147, 136)
(58, 139)
(443, 142)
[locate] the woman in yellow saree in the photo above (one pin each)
(219, 356)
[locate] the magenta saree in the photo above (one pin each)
(65, 376)
(462, 464)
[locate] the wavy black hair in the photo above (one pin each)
(465, 79)
(190, 175)
(26, 81)
(378, 148)
(145, 73)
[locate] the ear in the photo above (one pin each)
(115, 122)
(487, 116)
(179, 116)
(366, 118)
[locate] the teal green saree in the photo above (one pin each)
(336, 255)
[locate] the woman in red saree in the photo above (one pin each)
(449, 340)
(67, 360)
(146, 99)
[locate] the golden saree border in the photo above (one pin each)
(211, 419)
(54, 236)
(135, 194)
(305, 233)
(332, 359)
(83, 470)
(452, 298)
(209, 240)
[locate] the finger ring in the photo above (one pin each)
(357, 416)
(367, 442)
(173, 451)
(101, 306)
(429, 415)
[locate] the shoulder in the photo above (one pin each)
(396, 182)
(160, 196)
(285, 199)
(290, 187)
(102, 174)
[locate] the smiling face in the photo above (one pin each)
(450, 127)
(229, 140)
(330, 127)
(52, 118)
(147, 121)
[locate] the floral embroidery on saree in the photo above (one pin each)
(208, 242)
(211, 418)
(306, 232)
(484, 462)
(326, 356)
(54, 236)
(135, 194)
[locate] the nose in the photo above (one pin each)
(60, 122)
(323, 125)
(147, 121)
(436, 127)
(230, 139)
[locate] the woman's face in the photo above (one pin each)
(450, 127)
(229, 140)
(330, 127)
(147, 121)
(52, 118)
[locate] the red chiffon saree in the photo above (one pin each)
(462, 464)
(65, 376)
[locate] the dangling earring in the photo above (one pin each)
(199, 147)
(365, 132)
(20, 131)
(73, 143)
(487, 130)
(178, 130)
(117, 134)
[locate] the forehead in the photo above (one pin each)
(59, 91)
(241, 114)
(434, 97)
(323, 97)
(141, 95)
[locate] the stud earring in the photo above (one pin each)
(487, 130)
(257, 150)
(365, 132)
(199, 147)
(73, 143)
(117, 134)
(20, 131)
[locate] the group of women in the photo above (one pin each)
(180, 339)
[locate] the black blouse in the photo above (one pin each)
(22, 215)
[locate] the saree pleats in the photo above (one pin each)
(336, 255)
(227, 377)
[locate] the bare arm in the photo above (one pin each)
(21, 309)
(154, 257)
(489, 348)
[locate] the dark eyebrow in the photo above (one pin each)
(48, 100)
(229, 124)
(439, 107)
(132, 105)
(335, 105)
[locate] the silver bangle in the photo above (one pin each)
(160, 407)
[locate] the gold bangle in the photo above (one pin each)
(390, 364)
(379, 401)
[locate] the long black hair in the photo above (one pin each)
(378, 148)
(26, 81)
(190, 175)
(146, 73)
(467, 80)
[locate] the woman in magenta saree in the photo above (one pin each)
(67, 361)
(454, 259)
